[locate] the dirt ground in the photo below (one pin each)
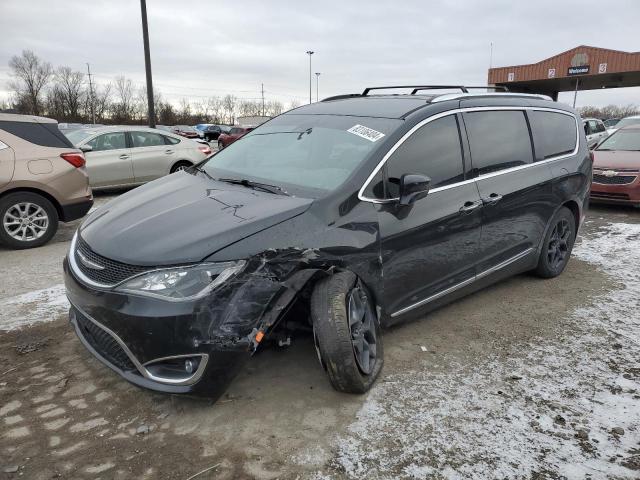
(527, 379)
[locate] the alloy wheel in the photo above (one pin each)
(363, 329)
(25, 221)
(558, 246)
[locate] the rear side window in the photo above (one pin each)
(553, 133)
(43, 134)
(108, 141)
(146, 139)
(498, 140)
(170, 140)
(433, 150)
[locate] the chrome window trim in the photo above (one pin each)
(139, 366)
(362, 197)
(464, 283)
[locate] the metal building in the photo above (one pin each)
(581, 68)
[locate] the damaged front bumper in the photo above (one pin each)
(193, 347)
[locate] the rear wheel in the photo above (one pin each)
(220, 145)
(558, 244)
(179, 166)
(27, 220)
(346, 333)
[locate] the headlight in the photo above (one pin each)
(182, 283)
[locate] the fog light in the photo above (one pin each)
(189, 366)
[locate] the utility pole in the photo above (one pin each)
(147, 64)
(317, 82)
(575, 93)
(491, 56)
(93, 112)
(263, 99)
(310, 52)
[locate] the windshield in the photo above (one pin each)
(625, 122)
(77, 136)
(316, 152)
(622, 140)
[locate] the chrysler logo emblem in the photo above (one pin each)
(88, 263)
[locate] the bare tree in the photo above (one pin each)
(229, 106)
(70, 90)
(274, 108)
(101, 102)
(184, 115)
(610, 111)
(294, 104)
(166, 114)
(30, 76)
(123, 108)
(216, 109)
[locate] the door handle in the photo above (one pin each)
(168, 152)
(470, 206)
(492, 199)
(124, 156)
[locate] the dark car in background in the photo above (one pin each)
(213, 132)
(348, 215)
(616, 168)
(226, 139)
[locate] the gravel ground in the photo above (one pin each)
(527, 379)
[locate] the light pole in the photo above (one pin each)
(310, 52)
(147, 63)
(317, 81)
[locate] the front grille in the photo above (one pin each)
(615, 180)
(612, 196)
(113, 273)
(103, 343)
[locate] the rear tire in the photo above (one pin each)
(181, 165)
(220, 145)
(558, 243)
(27, 220)
(346, 333)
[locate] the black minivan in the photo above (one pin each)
(362, 210)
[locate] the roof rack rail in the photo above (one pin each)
(455, 96)
(340, 97)
(417, 88)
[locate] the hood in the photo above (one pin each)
(183, 218)
(616, 159)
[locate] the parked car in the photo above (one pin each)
(211, 133)
(625, 122)
(611, 122)
(43, 180)
(595, 131)
(442, 193)
(200, 129)
(185, 131)
(226, 139)
(126, 156)
(616, 168)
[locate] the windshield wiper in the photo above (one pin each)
(202, 170)
(255, 185)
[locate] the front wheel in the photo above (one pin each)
(346, 333)
(557, 245)
(179, 166)
(27, 220)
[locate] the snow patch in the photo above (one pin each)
(33, 307)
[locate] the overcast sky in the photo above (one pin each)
(203, 48)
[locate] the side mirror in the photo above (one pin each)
(413, 187)
(86, 148)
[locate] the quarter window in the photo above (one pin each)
(108, 141)
(146, 139)
(43, 134)
(433, 150)
(498, 140)
(170, 140)
(553, 133)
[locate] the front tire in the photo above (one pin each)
(27, 220)
(558, 244)
(182, 165)
(347, 333)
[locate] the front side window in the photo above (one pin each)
(433, 150)
(316, 153)
(146, 139)
(554, 134)
(108, 141)
(498, 140)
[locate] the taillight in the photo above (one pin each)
(75, 159)
(205, 150)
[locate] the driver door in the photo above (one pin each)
(429, 248)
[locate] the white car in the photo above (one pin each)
(625, 122)
(127, 156)
(595, 131)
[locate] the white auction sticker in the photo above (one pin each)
(366, 132)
